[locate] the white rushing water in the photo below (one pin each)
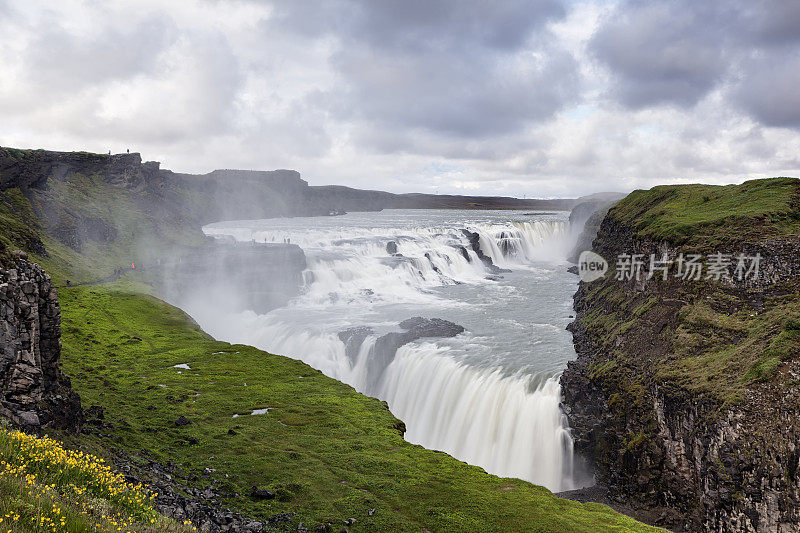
(489, 396)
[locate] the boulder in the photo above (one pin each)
(261, 494)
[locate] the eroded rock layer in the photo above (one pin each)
(34, 391)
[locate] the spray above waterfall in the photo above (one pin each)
(488, 395)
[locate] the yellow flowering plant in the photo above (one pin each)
(45, 487)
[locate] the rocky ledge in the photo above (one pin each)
(35, 393)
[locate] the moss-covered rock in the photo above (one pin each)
(676, 377)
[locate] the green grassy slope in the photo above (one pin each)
(328, 452)
(137, 235)
(18, 224)
(44, 487)
(712, 215)
(85, 221)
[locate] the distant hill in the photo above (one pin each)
(92, 211)
(226, 194)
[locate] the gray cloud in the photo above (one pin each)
(771, 22)
(469, 69)
(665, 51)
(677, 52)
(64, 62)
(540, 97)
(467, 97)
(415, 25)
(439, 24)
(770, 90)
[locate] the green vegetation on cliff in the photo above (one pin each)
(705, 216)
(18, 224)
(703, 336)
(685, 391)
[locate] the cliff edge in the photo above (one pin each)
(35, 393)
(685, 392)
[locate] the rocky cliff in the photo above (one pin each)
(35, 394)
(685, 391)
(224, 194)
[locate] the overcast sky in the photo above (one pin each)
(541, 98)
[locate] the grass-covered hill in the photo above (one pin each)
(707, 217)
(321, 457)
(695, 379)
(327, 453)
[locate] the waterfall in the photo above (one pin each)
(481, 417)
(506, 421)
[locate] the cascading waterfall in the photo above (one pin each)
(482, 411)
(480, 416)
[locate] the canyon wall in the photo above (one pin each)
(226, 194)
(35, 394)
(685, 392)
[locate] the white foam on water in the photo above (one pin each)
(508, 422)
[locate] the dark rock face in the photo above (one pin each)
(196, 200)
(683, 460)
(387, 345)
(76, 234)
(26, 170)
(587, 216)
(418, 327)
(581, 213)
(261, 494)
(391, 247)
(474, 243)
(353, 338)
(178, 499)
(35, 394)
(383, 352)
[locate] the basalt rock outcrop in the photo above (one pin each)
(31, 169)
(385, 348)
(685, 393)
(475, 244)
(35, 393)
(224, 194)
(177, 499)
(585, 219)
